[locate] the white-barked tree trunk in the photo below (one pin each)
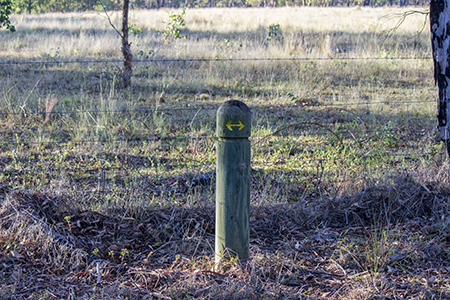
(440, 43)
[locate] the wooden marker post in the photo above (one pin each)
(233, 180)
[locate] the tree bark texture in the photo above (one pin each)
(440, 43)
(127, 72)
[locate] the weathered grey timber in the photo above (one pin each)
(233, 180)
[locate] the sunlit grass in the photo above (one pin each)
(329, 116)
(349, 181)
(305, 31)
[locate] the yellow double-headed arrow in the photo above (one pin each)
(230, 125)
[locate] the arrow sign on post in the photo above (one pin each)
(233, 181)
(230, 125)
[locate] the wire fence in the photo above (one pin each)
(164, 60)
(307, 149)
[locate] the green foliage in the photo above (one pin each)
(5, 11)
(124, 252)
(172, 27)
(69, 223)
(134, 29)
(255, 3)
(52, 53)
(146, 54)
(274, 33)
(41, 6)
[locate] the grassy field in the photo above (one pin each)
(108, 192)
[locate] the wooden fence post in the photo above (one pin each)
(233, 180)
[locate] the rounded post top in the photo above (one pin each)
(233, 120)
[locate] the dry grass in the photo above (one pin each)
(385, 241)
(304, 31)
(109, 192)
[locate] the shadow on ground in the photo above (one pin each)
(382, 242)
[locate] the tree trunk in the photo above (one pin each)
(30, 6)
(126, 51)
(440, 44)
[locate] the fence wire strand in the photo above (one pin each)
(107, 166)
(165, 60)
(214, 107)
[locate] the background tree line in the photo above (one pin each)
(40, 6)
